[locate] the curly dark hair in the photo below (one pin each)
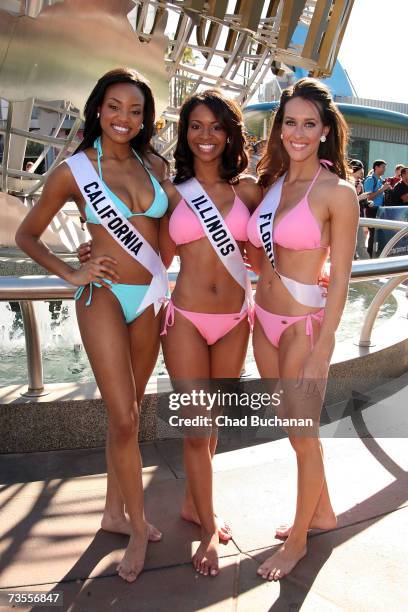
(92, 128)
(234, 158)
(275, 160)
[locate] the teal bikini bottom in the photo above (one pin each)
(129, 296)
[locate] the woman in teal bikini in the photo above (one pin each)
(115, 180)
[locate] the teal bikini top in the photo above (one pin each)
(156, 210)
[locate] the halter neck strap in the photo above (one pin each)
(326, 163)
(98, 146)
(313, 181)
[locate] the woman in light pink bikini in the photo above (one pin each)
(206, 327)
(309, 209)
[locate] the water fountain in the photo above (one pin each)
(64, 359)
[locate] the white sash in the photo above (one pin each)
(218, 234)
(125, 234)
(308, 295)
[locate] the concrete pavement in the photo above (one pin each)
(51, 504)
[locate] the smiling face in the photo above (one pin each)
(302, 128)
(121, 112)
(206, 136)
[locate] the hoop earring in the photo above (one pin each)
(322, 138)
(142, 126)
(228, 140)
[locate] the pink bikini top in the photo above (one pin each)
(184, 227)
(297, 230)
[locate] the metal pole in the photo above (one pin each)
(372, 311)
(33, 350)
(393, 241)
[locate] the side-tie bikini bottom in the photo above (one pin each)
(211, 326)
(129, 297)
(274, 325)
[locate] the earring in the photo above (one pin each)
(281, 136)
(228, 140)
(322, 138)
(142, 126)
(98, 114)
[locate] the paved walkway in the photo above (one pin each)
(51, 505)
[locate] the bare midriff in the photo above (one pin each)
(203, 283)
(130, 271)
(303, 266)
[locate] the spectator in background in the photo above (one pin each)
(393, 180)
(357, 169)
(399, 195)
(375, 187)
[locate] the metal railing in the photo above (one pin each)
(26, 290)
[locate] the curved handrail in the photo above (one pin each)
(27, 289)
(15, 288)
(372, 311)
(393, 241)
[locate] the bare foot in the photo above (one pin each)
(224, 530)
(205, 559)
(122, 525)
(133, 560)
(320, 523)
(281, 563)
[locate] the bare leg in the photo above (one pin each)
(293, 349)
(144, 350)
(267, 359)
(227, 360)
(187, 358)
(323, 519)
(107, 342)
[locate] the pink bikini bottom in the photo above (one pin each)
(211, 326)
(274, 325)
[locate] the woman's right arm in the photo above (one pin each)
(58, 189)
(254, 257)
(166, 245)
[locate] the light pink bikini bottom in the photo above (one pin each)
(211, 326)
(274, 325)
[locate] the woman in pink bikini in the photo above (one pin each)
(206, 327)
(309, 208)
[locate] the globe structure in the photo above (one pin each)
(52, 52)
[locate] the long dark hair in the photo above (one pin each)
(92, 128)
(234, 158)
(275, 160)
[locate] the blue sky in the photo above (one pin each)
(374, 46)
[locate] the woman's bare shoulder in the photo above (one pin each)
(61, 178)
(339, 194)
(249, 190)
(158, 166)
(173, 195)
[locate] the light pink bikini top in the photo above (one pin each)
(297, 230)
(184, 226)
